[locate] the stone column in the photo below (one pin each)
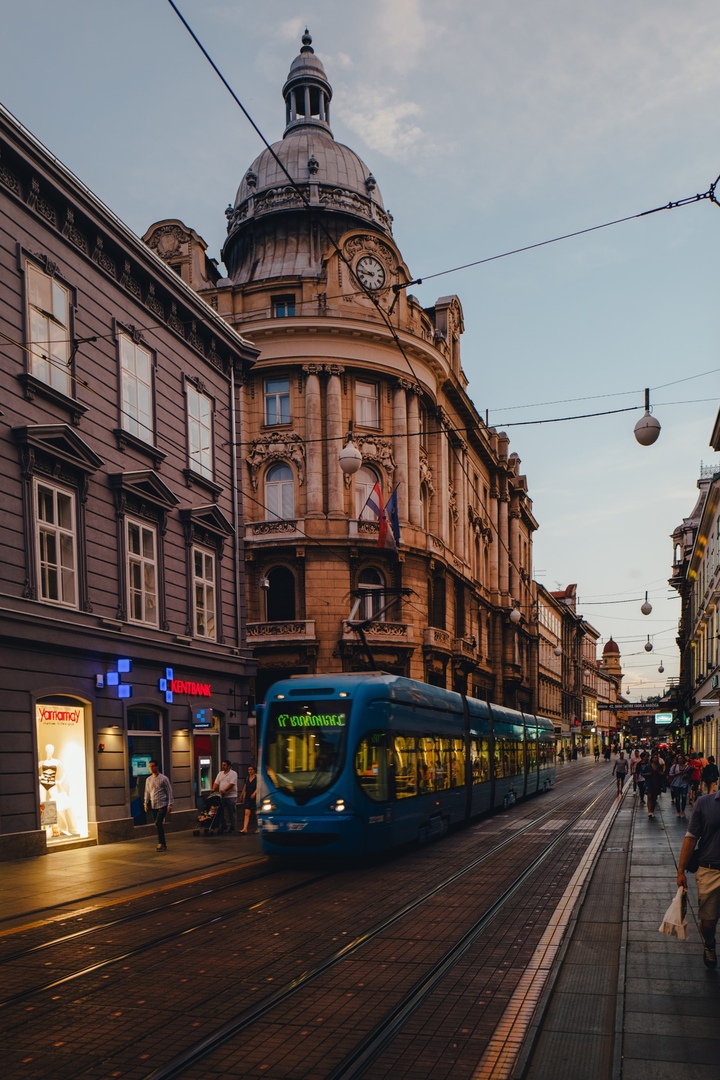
(503, 560)
(400, 447)
(414, 507)
(442, 487)
(493, 582)
(515, 552)
(313, 445)
(335, 432)
(458, 453)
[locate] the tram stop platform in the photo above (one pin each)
(623, 1001)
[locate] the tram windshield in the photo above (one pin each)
(305, 745)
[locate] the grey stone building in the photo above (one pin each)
(122, 626)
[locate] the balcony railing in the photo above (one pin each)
(381, 633)
(274, 633)
(435, 638)
(273, 531)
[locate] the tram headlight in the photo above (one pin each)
(267, 805)
(338, 805)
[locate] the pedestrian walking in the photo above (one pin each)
(620, 771)
(596, 753)
(710, 775)
(158, 797)
(680, 784)
(249, 797)
(653, 785)
(226, 784)
(704, 829)
(640, 776)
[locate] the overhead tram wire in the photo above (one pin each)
(710, 194)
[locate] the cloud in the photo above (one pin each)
(384, 125)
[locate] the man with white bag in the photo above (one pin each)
(704, 829)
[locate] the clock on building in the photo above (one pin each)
(370, 272)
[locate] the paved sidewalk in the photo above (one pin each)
(63, 878)
(627, 1002)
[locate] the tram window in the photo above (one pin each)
(406, 767)
(304, 744)
(426, 764)
(480, 759)
(531, 755)
(442, 764)
(457, 763)
(371, 766)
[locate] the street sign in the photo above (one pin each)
(708, 703)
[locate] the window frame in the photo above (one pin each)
(376, 595)
(49, 272)
(58, 532)
(126, 336)
(285, 301)
(141, 561)
(287, 484)
(209, 608)
(200, 466)
(278, 397)
(360, 415)
(364, 512)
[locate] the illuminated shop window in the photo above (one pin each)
(204, 593)
(142, 572)
(56, 544)
(279, 493)
(200, 431)
(367, 404)
(49, 329)
(136, 389)
(277, 401)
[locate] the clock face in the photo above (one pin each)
(370, 272)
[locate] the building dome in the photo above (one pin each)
(610, 647)
(331, 178)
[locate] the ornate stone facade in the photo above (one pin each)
(316, 280)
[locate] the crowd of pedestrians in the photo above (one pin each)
(692, 782)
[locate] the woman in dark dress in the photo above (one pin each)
(249, 797)
(653, 785)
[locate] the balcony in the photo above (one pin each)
(465, 648)
(440, 640)
(274, 531)
(291, 632)
(380, 633)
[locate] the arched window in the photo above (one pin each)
(365, 481)
(280, 595)
(279, 492)
(372, 589)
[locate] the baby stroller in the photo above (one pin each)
(212, 820)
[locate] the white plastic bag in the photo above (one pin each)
(674, 923)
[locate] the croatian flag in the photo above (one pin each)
(387, 515)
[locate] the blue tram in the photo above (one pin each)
(360, 763)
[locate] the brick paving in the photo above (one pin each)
(130, 1018)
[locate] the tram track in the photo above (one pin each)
(372, 1045)
(114, 988)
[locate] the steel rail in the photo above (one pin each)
(201, 1049)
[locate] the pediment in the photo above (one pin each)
(61, 442)
(209, 518)
(146, 485)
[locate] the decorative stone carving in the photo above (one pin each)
(167, 239)
(100, 257)
(153, 304)
(9, 179)
(129, 281)
(279, 198)
(286, 447)
(452, 504)
(365, 243)
(378, 451)
(313, 369)
(194, 338)
(174, 322)
(426, 473)
(478, 522)
(334, 369)
(339, 199)
(272, 528)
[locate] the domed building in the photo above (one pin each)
(317, 282)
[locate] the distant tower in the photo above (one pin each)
(611, 661)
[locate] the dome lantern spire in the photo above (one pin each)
(307, 92)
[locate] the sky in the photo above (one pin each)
(489, 127)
